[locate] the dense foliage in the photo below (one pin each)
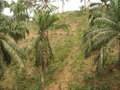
(103, 36)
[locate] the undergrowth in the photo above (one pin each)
(82, 70)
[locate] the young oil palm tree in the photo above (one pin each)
(40, 43)
(102, 39)
(8, 50)
(19, 10)
(17, 23)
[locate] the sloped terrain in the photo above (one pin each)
(69, 70)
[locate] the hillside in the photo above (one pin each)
(69, 70)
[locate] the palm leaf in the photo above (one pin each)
(12, 52)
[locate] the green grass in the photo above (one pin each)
(80, 67)
(61, 51)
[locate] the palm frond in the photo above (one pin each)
(12, 52)
(105, 21)
(31, 44)
(94, 4)
(63, 26)
(91, 33)
(98, 40)
(16, 48)
(110, 44)
(102, 38)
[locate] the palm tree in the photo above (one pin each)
(3, 4)
(85, 3)
(39, 4)
(19, 10)
(63, 4)
(8, 50)
(40, 43)
(102, 38)
(19, 21)
(46, 4)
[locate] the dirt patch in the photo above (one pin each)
(64, 76)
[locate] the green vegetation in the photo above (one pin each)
(78, 50)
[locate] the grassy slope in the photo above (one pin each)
(70, 70)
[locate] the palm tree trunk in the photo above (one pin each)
(49, 46)
(85, 4)
(88, 4)
(119, 54)
(1, 64)
(46, 55)
(42, 72)
(42, 60)
(63, 3)
(42, 77)
(16, 41)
